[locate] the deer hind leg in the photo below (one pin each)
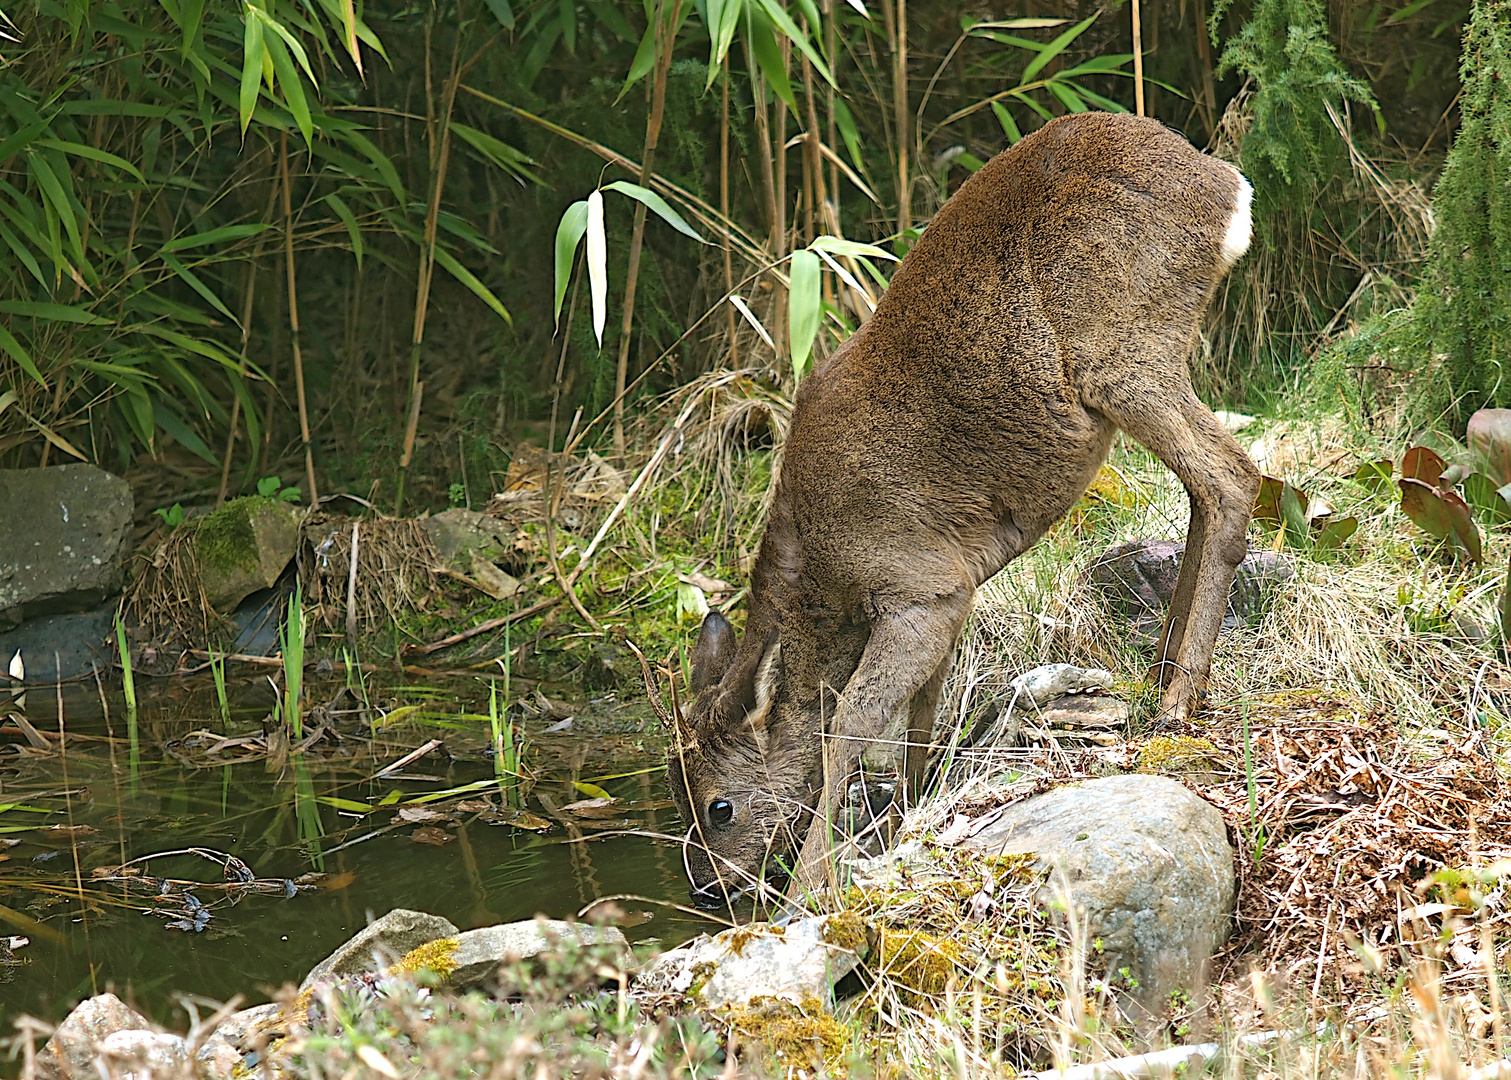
(1221, 481)
(1173, 634)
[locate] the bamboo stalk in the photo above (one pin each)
(666, 33)
(1204, 54)
(288, 250)
(1138, 59)
(763, 145)
(246, 334)
(900, 107)
(441, 157)
(729, 274)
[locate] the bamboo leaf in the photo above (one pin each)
(744, 309)
(188, 277)
(41, 309)
(1009, 125)
(723, 19)
(253, 55)
(174, 427)
(20, 356)
(23, 253)
(598, 268)
(502, 12)
(803, 309)
(1066, 96)
(342, 211)
(784, 23)
(80, 150)
(838, 245)
(568, 235)
(467, 278)
(293, 89)
(1106, 104)
(497, 151)
(763, 44)
(658, 204)
(52, 191)
(1054, 49)
(226, 234)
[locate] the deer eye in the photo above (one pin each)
(721, 811)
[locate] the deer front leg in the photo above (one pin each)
(910, 645)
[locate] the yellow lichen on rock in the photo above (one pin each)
(437, 956)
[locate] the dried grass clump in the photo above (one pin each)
(396, 571)
(166, 600)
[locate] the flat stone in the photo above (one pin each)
(458, 534)
(1047, 696)
(80, 640)
(70, 1053)
(800, 963)
(380, 944)
(1146, 863)
(242, 547)
(142, 1055)
(237, 1035)
(480, 953)
(1137, 580)
(63, 537)
(1489, 439)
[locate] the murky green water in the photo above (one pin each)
(91, 928)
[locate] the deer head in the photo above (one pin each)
(745, 766)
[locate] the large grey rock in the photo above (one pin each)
(1145, 862)
(1137, 580)
(71, 1052)
(142, 1055)
(799, 962)
(380, 944)
(63, 535)
(243, 547)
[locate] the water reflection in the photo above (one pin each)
(83, 815)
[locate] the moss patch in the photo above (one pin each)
(793, 1035)
(1178, 753)
(918, 966)
(224, 540)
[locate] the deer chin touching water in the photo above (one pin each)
(1051, 302)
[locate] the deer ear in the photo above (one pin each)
(767, 674)
(713, 652)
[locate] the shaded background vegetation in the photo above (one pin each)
(164, 288)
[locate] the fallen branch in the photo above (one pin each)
(482, 628)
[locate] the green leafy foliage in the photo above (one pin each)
(1293, 146)
(125, 242)
(1463, 310)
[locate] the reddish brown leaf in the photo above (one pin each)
(429, 834)
(1421, 463)
(1441, 514)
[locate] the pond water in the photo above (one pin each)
(172, 924)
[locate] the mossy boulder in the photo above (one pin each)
(242, 547)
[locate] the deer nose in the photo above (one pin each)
(709, 898)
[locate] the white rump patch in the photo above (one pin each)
(1240, 226)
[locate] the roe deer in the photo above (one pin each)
(1052, 301)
